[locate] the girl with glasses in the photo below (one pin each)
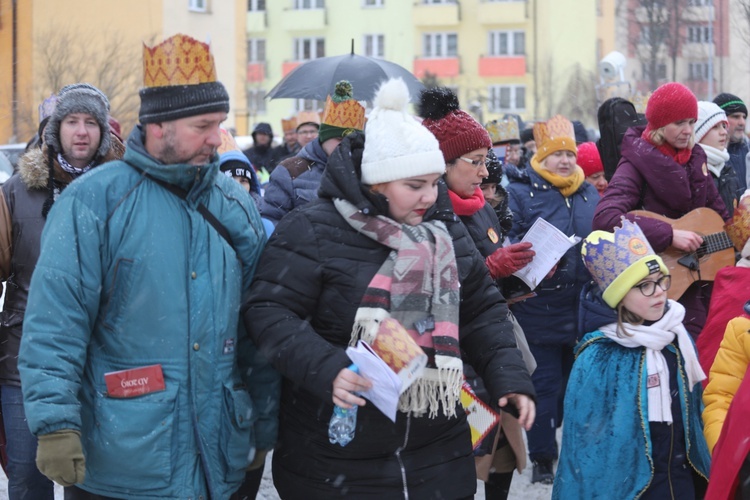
(633, 425)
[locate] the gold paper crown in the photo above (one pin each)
(503, 130)
(308, 117)
(556, 134)
(348, 114)
(290, 124)
(178, 60)
(738, 228)
(227, 142)
(617, 261)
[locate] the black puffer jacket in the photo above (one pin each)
(309, 283)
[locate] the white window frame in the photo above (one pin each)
(699, 3)
(373, 4)
(308, 105)
(299, 47)
(256, 104)
(373, 45)
(661, 71)
(494, 100)
(438, 43)
(198, 5)
(309, 4)
(699, 33)
(495, 45)
(698, 68)
(253, 54)
(252, 5)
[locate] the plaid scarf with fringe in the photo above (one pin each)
(418, 286)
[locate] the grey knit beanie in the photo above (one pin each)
(79, 98)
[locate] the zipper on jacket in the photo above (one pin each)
(398, 456)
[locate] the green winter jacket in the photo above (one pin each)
(131, 275)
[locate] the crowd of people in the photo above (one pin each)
(176, 308)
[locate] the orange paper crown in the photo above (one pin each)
(738, 228)
(290, 124)
(178, 60)
(348, 114)
(308, 117)
(556, 134)
(227, 142)
(503, 130)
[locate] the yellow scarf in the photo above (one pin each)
(567, 185)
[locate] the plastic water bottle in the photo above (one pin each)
(343, 422)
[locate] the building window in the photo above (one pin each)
(256, 5)
(699, 34)
(653, 34)
(374, 46)
(436, 2)
(373, 3)
(699, 3)
(507, 43)
(661, 71)
(440, 45)
(309, 48)
(698, 71)
(308, 105)
(507, 98)
(309, 4)
(256, 50)
(197, 5)
(256, 104)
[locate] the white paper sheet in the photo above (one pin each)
(550, 244)
(386, 385)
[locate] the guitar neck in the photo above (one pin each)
(714, 242)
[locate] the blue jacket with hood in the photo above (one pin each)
(131, 275)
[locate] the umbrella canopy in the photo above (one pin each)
(316, 79)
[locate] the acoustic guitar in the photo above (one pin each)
(716, 251)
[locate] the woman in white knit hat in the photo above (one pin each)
(712, 135)
(380, 242)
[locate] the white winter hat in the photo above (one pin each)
(397, 146)
(709, 114)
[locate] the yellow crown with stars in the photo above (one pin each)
(738, 228)
(556, 134)
(503, 130)
(178, 60)
(618, 261)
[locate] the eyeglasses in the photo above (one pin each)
(648, 288)
(476, 163)
(307, 132)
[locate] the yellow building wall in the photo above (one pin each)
(24, 126)
(73, 41)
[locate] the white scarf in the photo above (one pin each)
(716, 159)
(655, 338)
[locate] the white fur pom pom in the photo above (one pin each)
(393, 94)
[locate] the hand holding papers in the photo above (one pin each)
(550, 244)
(391, 363)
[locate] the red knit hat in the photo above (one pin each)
(589, 159)
(457, 131)
(670, 103)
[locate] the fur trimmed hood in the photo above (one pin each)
(32, 166)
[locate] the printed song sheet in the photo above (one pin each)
(550, 244)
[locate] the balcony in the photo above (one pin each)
(447, 67)
(502, 66)
(501, 12)
(288, 66)
(256, 21)
(304, 19)
(256, 72)
(434, 15)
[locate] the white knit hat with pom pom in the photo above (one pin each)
(397, 146)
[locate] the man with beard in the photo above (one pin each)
(138, 379)
(738, 143)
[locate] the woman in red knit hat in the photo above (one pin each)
(662, 170)
(591, 163)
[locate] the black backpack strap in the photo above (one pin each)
(181, 193)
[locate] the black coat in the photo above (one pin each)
(309, 283)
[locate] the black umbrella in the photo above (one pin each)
(316, 78)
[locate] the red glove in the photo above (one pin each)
(507, 260)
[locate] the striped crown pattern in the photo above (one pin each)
(348, 114)
(606, 256)
(178, 60)
(503, 130)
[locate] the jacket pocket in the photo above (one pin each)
(118, 293)
(236, 435)
(130, 443)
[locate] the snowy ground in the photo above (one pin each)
(521, 488)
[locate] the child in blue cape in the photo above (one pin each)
(633, 405)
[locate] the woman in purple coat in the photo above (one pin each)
(662, 170)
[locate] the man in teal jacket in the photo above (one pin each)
(137, 375)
